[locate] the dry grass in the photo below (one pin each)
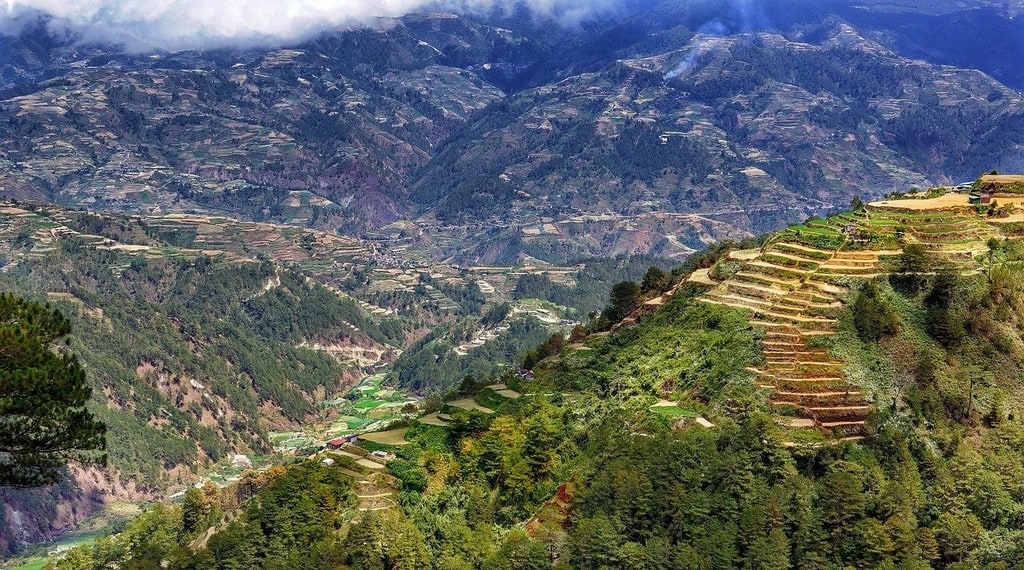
(702, 276)
(1012, 219)
(744, 254)
(1002, 179)
(370, 464)
(950, 200)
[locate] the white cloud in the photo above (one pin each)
(143, 25)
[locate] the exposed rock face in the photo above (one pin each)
(31, 516)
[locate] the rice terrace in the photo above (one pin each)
(796, 284)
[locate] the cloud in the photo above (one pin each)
(144, 25)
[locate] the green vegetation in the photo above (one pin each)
(283, 515)
(932, 486)
(432, 365)
(687, 348)
(604, 459)
(440, 360)
(873, 318)
(590, 291)
(44, 422)
(216, 346)
(672, 411)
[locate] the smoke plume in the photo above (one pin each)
(738, 16)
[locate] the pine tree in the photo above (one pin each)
(655, 280)
(43, 419)
(624, 298)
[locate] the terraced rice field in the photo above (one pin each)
(796, 285)
(950, 235)
(789, 294)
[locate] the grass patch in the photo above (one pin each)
(673, 411)
(814, 229)
(395, 437)
(488, 398)
(469, 404)
(702, 349)
(789, 262)
(32, 565)
(813, 253)
(368, 404)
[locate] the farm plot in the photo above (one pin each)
(436, 419)
(368, 406)
(470, 404)
(505, 392)
(390, 437)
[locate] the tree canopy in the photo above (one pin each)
(43, 419)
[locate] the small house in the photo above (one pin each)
(327, 462)
(340, 441)
(979, 198)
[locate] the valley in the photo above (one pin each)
(833, 343)
(792, 331)
(249, 386)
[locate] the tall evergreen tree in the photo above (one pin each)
(43, 419)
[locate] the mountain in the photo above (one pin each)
(843, 395)
(742, 131)
(659, 132)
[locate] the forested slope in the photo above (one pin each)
(605, 474)
(192, 356)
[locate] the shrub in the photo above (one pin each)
(873, 317)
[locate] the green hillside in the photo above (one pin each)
(206, 338)
(192, 355)
(862, 409)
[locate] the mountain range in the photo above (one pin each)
(502, 136)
